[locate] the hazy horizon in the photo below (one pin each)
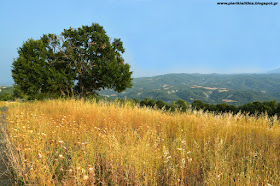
(11, 82)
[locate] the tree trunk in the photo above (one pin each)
(62, 92)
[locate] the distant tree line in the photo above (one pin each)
(179, 105)
(7, 94)
(6, 97)
(253, 108)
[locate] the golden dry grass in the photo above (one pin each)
(81, 143)
(7, 103)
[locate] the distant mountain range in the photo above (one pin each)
(210, 88)
(234, 89)
(275, 71)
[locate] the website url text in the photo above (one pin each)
(248, 3)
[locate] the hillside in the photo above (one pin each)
(6, 90)
(210, 88)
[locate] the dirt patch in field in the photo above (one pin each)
(4, 171)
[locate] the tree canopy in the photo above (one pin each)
(78, 62)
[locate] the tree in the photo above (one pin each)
(182, 105)
(136, 101)
(97, 62)
(80, 62)
(160, 104)
(233, 109)
(223, 107)
(278, 110)
(197, 104)
(34, 73)
(147, 102)
(271, 107)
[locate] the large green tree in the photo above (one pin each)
(79, 62)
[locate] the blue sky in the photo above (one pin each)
(160, 36)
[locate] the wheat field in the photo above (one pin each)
(76, 142)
